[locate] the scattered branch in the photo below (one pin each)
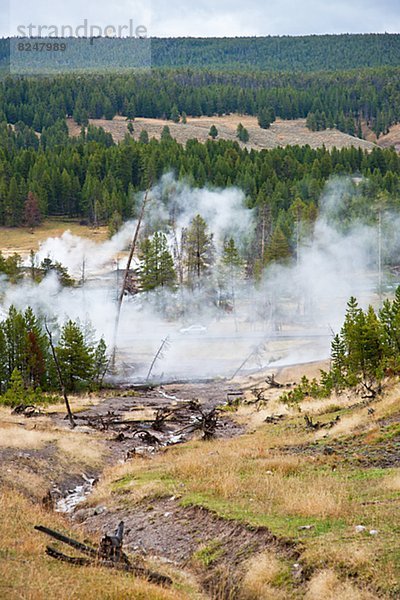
(270, 380)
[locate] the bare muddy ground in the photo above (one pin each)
(121, 424)
(164, 530)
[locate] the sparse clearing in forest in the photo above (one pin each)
(281, 132)
(391, 139)
(387, 140)
(23, 239)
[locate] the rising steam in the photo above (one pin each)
(287, 317)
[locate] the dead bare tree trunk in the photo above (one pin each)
(60, 377)
(157, 355)
(126, 275)
(256, 352)
(272, 383)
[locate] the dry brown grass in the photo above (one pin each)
(27, 573)
(289, 374)
(391, 139)
(354, 555)
(262, 578)
(326, 585)
(140, 414)
(358, 420)
(78, 403)
(389, 403)
(21, 478)
(13, 436)
(22, 239)
(319, 406)
(281, 133)
(35, 435)
(347, 425)
(237, 471)
(75, 448)
(392, 481)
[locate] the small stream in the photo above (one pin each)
(127, 436)
(70, 500)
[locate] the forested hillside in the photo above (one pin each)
(285, 53)
(304, 53)
(339, 99)
(44, 173)
(90, 177)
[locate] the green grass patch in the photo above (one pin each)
(124, 484)
(363, 474)
(284, 579)
(388, 433)
(286, 526)
(207, 555)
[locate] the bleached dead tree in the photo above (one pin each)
(127, 269)
(159, 354)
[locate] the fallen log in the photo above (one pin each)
(72, 560)
(147, 438)
(109, 554)
(310, 423)
(66, 540)
(151, 576)
(274, 419)
(27, 410)
(141, 387)
(272, 383)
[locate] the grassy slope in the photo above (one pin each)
(277, 476)
(26, 572)
(281, 132)
(256, 479)
(35, 453)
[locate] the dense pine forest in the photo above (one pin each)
(44, 172)
(92, 178)
(304, 53)
(341, 99)
(274, 53)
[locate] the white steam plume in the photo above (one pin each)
(288, 317)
